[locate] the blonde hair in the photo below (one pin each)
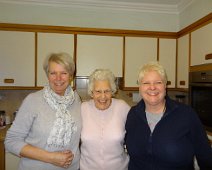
(63, 59)
(152, 66)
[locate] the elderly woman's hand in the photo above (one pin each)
(62, 159)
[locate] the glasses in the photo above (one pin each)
(147, 84)
(99, 92)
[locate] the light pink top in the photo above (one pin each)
(102, 136)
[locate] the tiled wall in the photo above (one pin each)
(131, 97)
(10, 100)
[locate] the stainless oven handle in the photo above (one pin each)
(201, 84)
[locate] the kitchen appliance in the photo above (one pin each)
(200, 96)
(180, 98)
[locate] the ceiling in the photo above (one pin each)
(161, 6)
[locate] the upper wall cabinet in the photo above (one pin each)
(167, 58)
(94, 51)
(51, 43)
(201, 45)
(183, 62)
(138, 51)
(17, 66)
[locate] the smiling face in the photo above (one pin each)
(102, 94)
(58, 77)
(152, 88)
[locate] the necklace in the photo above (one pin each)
(164, 109)
(154, 118)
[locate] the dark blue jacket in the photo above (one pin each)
(176, 139)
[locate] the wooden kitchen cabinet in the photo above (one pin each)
(201, 44)
(2, 149)
(138, 51)
(8, 161)
(17, 66)
(2, 153)
(51, 43)
(95, 51)
(167, 58)
(183, 62)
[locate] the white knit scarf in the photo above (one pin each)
(64, 125)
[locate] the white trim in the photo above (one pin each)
(111, 5)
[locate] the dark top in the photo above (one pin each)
(176, 139)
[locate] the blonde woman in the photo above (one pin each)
(46, 130)
(163, 134)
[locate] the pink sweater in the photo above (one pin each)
(102, 136)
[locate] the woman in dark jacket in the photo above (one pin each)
(161, 133)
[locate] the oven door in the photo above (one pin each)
(201, 100)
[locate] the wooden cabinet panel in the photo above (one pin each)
(94, 51)
(17, 66)
(51, 43)
(167, 58)
(2, 158)
(183, 62)
(201, 44)
(138, 51)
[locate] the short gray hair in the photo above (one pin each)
(102, 74)
(60, 58)
(152, 66)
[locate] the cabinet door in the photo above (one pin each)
(138, 51)
(51, 43)
(17, 66)
(201, 44)
(167, 58)
(183, 62)
(95, 52)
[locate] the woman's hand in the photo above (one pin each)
(59, 158)
(62, 159)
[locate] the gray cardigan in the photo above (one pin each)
(33, 124)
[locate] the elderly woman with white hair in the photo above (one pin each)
(103, 125)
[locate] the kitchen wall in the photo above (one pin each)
(132, 19)
(10, 100)
(83, 17)
(194, 12)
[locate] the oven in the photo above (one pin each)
(200, 96)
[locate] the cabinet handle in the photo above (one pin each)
(11, 81)
(182, 82)
(169, 83)
(208, 56)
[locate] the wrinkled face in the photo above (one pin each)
(152, 88)
(102, 94)
(58, 77)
